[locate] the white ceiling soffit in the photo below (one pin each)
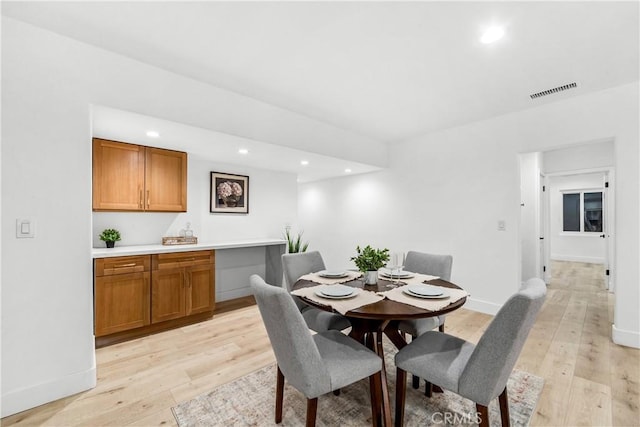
(118, 125)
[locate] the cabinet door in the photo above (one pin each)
(165, 180)
(201, 289)
(118, 176)
(168, 294)
(121, 302)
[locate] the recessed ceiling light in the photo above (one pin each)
(304, 162)
(152, 134)
(243, 151)
(347, 170)
(492, 34)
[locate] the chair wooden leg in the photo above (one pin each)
(441, 327)
(312, 408)
(386, 407)
(428, 388)
(504, 408)
(483, 414)
(279, 395)
(401, 391)
(415, 381)
(375, 389)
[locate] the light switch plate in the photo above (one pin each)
(25, 228)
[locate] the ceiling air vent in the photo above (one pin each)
(554, 90)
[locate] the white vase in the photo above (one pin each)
(371, 277)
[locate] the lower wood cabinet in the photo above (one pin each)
(182, 284)
(122, 297)
(138, 295)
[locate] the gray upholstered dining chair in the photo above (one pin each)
(435, 265)
(298, 264)
(314, 364)
(476, 372)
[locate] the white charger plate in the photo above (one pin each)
(336, 292)
(331, 274)
(400, 275)
(426, 290)
(408, 292)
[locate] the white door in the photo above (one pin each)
(542, 215)
(607, 228)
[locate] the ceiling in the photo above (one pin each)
(118, 125)
(386, 70)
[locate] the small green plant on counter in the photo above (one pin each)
(294, 244)
(110, 235)
(369, 259)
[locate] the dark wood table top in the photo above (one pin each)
(386, 309)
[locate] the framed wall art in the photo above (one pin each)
(229, 193)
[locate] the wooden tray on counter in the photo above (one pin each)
(169, 241)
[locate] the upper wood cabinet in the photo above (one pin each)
(129, 177)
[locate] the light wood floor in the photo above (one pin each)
(588, 379)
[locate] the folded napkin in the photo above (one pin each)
(396, 294)
(340, 305)
(417, 278)
(315, 277)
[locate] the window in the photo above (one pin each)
(582, 211)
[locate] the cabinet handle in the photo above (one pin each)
(133, 264)
(140, 201)
(148, 200)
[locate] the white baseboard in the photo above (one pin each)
(482, 306)
(574, 258)
(626, 338)
(32, 396)
(233, 293)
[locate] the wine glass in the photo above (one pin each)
(395, 265)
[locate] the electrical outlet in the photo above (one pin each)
(502, 225)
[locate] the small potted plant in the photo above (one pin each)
(110, 236)
(369, 260)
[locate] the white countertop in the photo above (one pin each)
(157, 249)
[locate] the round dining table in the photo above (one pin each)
(383, 315)
(370, 322)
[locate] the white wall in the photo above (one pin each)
(588, 247)
(593, 155)
(445, 192)
(49, 83)
(272, 204)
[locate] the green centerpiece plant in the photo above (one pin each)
(110, 236)
(369, 260)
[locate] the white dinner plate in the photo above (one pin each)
(336, 292)
(332, 274)
(401, 275)
(426, 290)
(441, 296)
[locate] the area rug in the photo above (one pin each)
(250, 401)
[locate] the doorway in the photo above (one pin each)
(578, 216)
(589, 238)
